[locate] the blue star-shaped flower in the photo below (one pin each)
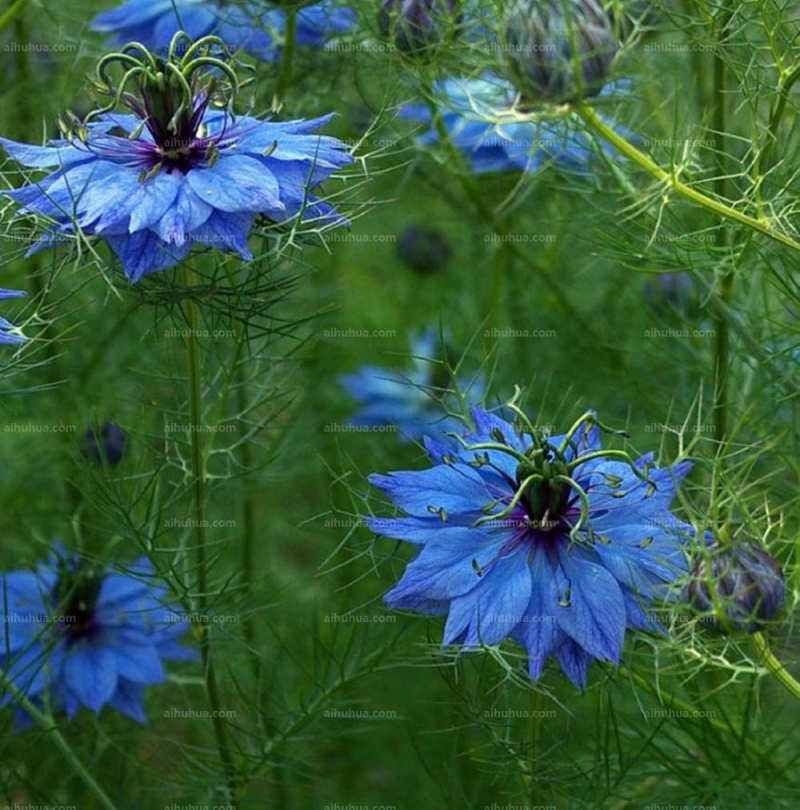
(87, 637)
(247, 26)
(10, 334)
(152, 193)
(551, 541)
(483, 122)
(404, 398)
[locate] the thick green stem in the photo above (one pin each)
(768, 659)
(48, 725)
(671, 181)
(198, 479)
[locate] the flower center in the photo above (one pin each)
(75, 599)
(545, 490)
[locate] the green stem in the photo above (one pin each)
(287, 57)
(768, 659)
(725, 282)
(48, 725)
(11, 14)
(671, 181)
(198, 477)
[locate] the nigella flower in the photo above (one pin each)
(406, 399)
(10, 334)
(484, 122)
(256, 28)
(78, 635)
(414, 25)
(738, 587)
(175, 172)
(558, 50)
(105, 445)
(551, 541)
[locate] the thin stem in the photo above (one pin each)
(671, 181)
(48, 724)
(768, 659)
(726, 279)
(198, 475)
(287, 57)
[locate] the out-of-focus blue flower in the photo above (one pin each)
(104, 446)
(414, 25)
(10, 334)
(77, 635)
(175, 173)
(483, 122)
(407, 399)
(548, 540)
(737, 587)
(424, 249)
(249, 26)
(676, 293)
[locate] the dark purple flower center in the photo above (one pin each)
(75, 599)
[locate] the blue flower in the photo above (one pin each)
(484, 123)
(406, 399)
(10, 334)
(247, 26)
(175, 173)
(550, 541)
(76, 635)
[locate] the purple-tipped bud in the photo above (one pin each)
(558, 51)
(414, 25)
(423, 249)
(736, 587)
(104, 446)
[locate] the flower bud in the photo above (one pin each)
(414, 25)
(423, 249)
(672, 293)
(558, 50)
(104, 446)
(737, 587)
